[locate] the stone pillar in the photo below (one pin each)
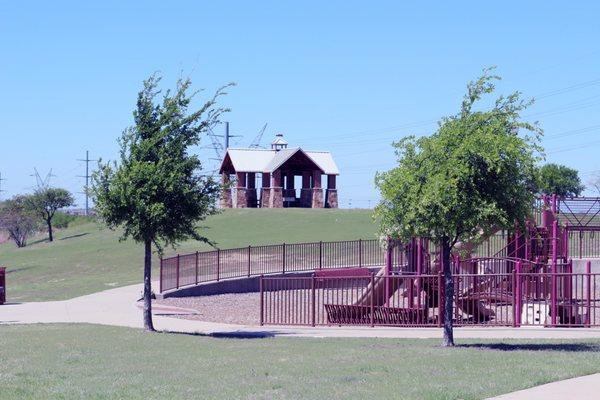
(305, 192)
(331, 196)
(240, 189)
(317, 192)
(265, 190)
(251, 191)
(226, 194)
(276, 197)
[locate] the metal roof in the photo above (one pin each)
(264, 160)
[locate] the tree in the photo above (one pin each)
(475, 174)
(18, 220)
(156, 192)
(559, 179)
(594, 182)
(44, 202)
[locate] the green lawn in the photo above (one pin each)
(86, 361)
(87, 258)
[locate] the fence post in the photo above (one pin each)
(554, 292)
(373, 299)
(580, 245)
(313, 301)
(441, 299)
(218, 264)
(565, 241)
(196, 268)
(360, 252)
(160, 282)
(527, 237)
(518, 303)
(517, 242)
(261, 290)
(249, 247)
(320, 254)
(388, 270)
(283, 254)
(177, 279)
(588, 297)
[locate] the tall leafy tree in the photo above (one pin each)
(46, 201)
(559, 179)
(156, 192)
(475, 174)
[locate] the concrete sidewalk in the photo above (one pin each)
(118, 307)
(582, 388)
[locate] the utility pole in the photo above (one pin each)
(1, 179)
(226, 135)
(87, 180)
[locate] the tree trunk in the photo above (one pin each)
(148, 325)
(448, 294)
(49, 223)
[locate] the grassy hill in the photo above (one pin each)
(87, 257)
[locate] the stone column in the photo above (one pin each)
(331, 196)
(305, 192)
(226, 193)
(276, 198)
(251, 191)
(265, 190)
(317, 192)
(242, 199)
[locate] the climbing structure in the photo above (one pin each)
(521, 277)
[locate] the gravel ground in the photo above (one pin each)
(237, 308)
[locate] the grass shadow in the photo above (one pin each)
(229, 335)
(37, 241)
(563, 347)
(20, 269)
(74, 236)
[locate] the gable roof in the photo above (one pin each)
(264, 160)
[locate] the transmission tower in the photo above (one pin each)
(42, 183)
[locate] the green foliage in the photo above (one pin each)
(156, 192)
(62, 220)
(45, 202)
(475, 174)
(559, 179)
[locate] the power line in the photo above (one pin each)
(87, 180)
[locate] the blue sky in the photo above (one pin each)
(349, 77)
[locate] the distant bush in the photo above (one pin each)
(63, 220)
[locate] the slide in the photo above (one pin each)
(378, 291)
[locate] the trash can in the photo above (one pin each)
(2, 285)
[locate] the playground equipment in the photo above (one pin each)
(521, 277)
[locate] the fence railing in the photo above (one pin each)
(413, 257)
(498, 299)
(191, 269)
